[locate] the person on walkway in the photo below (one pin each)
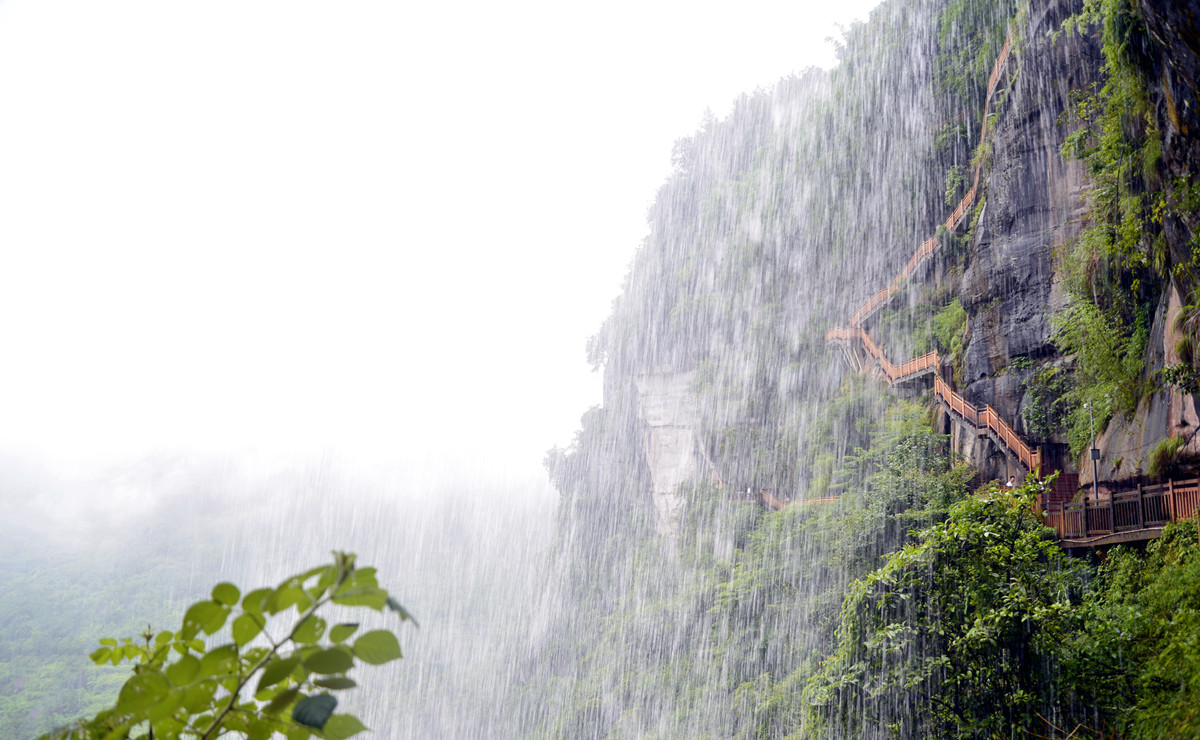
(1012, 481)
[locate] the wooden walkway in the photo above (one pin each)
(956, 218)
(1126, 516)
(772, 501)
(1132, 515)
(984, 420)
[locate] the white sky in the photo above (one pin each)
(379, 227)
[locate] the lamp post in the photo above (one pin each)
(1095, 455)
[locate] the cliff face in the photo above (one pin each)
(1035, 203)
(780, 220)
(1170, 53)
(670, 424)
(1038, 202)
(776, 225)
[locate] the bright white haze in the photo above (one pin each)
(381, 228)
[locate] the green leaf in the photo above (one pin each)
(334, 660)
(363, 596)
(335, 682)
(296, 732)
(219, 661)
(245, 628)
(302, 577)
(142, 691)
(310, 630)
(108, 641)
(361, 578)
(199, 615)
(377, 647)
(226, 593)
(404, 613)
(277, 670)
(198, 697)
(341, 631)
(167, 727)
(235, 722)
(328, 578)
(280, 702)
(217, 621)
(259, 728)
(314, 711)
(284, 597)
(166, 705)
(252, 603)
(101, 655)
(342, 726)
(184, 670)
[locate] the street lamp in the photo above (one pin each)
(1095, 455)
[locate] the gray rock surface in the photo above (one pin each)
(1035, 203)
(670, 419)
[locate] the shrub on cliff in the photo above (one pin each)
(963, 624)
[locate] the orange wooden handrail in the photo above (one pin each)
(930, 245)
(988, 418)
(1138, 508)
(985, 418)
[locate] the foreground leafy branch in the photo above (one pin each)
(181, 688)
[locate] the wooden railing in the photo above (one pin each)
(894, 373)
(981, 418)
(987, 418)
(931, 244)
(772, 501)
(1146, 507)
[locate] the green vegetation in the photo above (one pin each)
(183, 688)
(909, 607)
(1109, 367)
(716, 635)
(54, 603)
(962, 623)
(1048, 402)
(1134, 654)
(949, 327)
(1117, 269)
(1163, 459)
(988, 626)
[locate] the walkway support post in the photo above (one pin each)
(1095, 455)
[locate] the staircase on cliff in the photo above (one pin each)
(1125, 516)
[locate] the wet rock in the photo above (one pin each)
(1169, 54)
(1035, 202)
(668, 411)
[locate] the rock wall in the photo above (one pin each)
(1125, 446)
(1035, 202)
(668, 412)
(1169, 53)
